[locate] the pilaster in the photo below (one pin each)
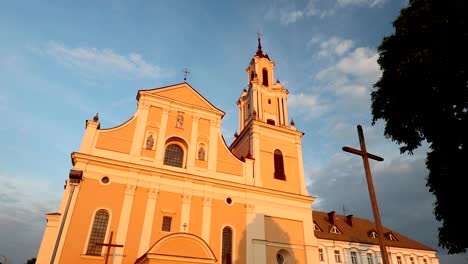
(206, 221)
(89, 136)
(193, 143)
(213, 149)
(124, 221)
(148, 221)
(185, 215)
(161, 139)
(139, 134)
(255, 236)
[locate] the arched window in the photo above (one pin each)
(98, 233)
(174, 156)
(226, 254)
(279, 167)
(251, 75)
(270, 121)
(265, 77)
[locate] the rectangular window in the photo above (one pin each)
(166, 225)
(321, 258)
(369, 258)
(354, 258)
(337, 256)
(425, 261)
(411, 260)
(398, 259)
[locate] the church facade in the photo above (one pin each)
(165, 188)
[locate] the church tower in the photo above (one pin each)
(265, 132)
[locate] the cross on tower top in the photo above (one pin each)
(186, 73)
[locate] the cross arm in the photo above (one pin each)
(361, 153)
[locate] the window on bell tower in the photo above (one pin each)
(265, 77)
(279, 166)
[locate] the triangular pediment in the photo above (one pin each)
(182, 93)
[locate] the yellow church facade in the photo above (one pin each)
(165, 188)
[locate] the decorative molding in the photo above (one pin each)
(207, 201)
(153, 193)
(187, 198)
(249, 208)
(130, 189)
(143, 105)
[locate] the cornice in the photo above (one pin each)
(143, 169)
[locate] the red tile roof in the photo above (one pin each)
(360, 231)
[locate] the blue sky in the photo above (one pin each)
(64, 61)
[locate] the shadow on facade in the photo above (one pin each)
(270, 244)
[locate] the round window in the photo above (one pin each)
(105, 180)
(228, 200)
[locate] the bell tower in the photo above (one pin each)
(265, 134)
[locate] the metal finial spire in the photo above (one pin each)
(186, 73)
(259, 35)
(259, 50)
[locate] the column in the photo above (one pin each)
(280, 111)
(239, 108)
(147, 230)
(254, 102)
(300, 165)
(124, 221)
(260, 109)
(285, 110)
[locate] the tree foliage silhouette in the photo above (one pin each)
(31, 261)
(422, 95)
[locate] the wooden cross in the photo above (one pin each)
(186, 73)
(365, 158)
(108, 245)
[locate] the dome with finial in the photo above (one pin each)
(96, 117)
(259, 52)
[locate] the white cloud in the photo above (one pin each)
(309, 105)
(104, 61)
(369, 3)
(291, 16)
(288, 12)
(362, 62)
(333, 46)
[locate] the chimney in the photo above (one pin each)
(331, 217)
(349, 219)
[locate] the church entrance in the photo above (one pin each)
(178, 248)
